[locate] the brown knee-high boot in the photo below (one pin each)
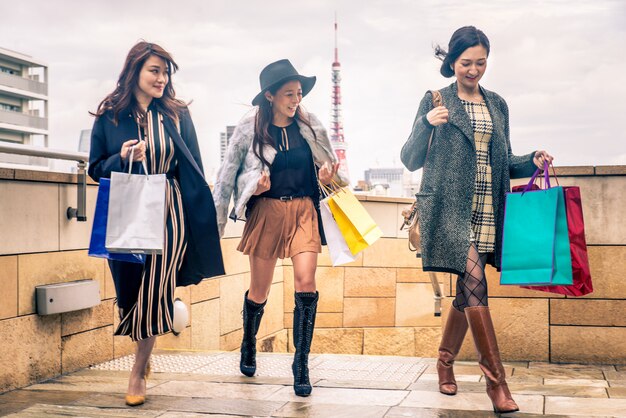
(480, 323)
(451, 341)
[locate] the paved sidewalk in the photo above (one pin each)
(203, 384)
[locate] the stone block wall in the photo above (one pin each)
(383, 303)
(38, 246)
(380, 304)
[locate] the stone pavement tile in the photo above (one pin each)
(585, 406)
(460, 369)
(216, 378)
(559, 373)
(433, 386)
(361, 384)
(617, 392)
(458, 377)
(469, 401)
(570, 366)
(406, 412)
(63, 411)
(93, 373)
(617, 383)
(516, 364)
(613, 375)
(214, 390)
(245, 407)
(21, 399)
(88, 384)
(114, 400)
(558, 390)
(577, 382)
(362, 397)
(537, 380)
(175, 414)
(316, 410)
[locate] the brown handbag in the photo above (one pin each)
(410, 215)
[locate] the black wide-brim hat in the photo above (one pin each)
(278, 73)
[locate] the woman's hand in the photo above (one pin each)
(327, 171)
(438, 116)
(140, 150)
(263, 185)
(540, 157)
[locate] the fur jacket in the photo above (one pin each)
(241, 170)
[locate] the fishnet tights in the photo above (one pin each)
(471, 288)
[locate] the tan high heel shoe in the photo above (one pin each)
(136, 400)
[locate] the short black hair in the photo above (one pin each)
(462, 38)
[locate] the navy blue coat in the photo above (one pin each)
(203, 257)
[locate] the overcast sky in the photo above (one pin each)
(559, 64)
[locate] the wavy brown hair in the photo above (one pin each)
(262, 121)
(123, 97)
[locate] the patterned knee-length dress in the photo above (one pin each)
(153, 313)
(483, 221)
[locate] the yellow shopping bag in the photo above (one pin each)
(356, 225)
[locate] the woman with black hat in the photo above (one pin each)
(273, 164)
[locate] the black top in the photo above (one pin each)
(292, 173)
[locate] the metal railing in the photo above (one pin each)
(80, 212)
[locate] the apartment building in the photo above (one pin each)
(23, 105)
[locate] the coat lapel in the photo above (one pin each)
(458, 116)
(180, 143)
(497, 118)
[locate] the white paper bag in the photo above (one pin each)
(136, 221)
(337, 247)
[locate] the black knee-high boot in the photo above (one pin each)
(252, 314)
(303, 325)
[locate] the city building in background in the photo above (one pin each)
(84, 141)
(336, 122)
(225, 141)
(395, 181)
(23, 105)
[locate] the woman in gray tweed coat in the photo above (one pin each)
(467, 171)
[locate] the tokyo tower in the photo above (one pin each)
(336, 123)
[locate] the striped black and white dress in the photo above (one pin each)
(483, 220)
(153, 313)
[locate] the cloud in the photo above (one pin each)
(556, 63)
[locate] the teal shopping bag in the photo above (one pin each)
(536, 247)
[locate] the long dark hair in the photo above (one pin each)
(462, 38)
(123, 96)
(262, 121)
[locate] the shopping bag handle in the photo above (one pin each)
(130, 162)
(328, 190)
(546, 176)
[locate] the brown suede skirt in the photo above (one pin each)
(281, 229)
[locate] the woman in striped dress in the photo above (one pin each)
(143, 113)
(467, 171)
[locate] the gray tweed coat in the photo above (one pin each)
(445, 197)
(241, 170)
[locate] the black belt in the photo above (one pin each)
(286, 198)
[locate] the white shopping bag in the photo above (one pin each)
(136, 221)
(337, 247)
